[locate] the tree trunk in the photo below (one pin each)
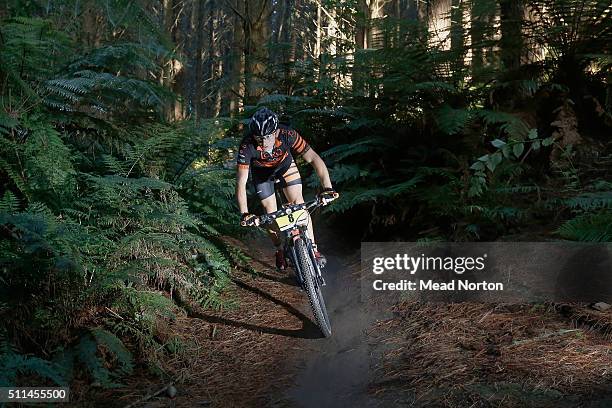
(209, 72)
(397, 16)
(357, 78)
(237, 64)
(218, 63)
(511, 42)
(361, 29)
(456, 35)
(93, 25)
(317, 50)
(256, 34)
(477, 36)
(418, 10)
(199, 12)
(374, 16)
(172, 73)
(293, 33)
(332, 32)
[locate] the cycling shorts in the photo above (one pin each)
(286, 174)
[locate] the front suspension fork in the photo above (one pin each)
(290, 252)
(314, 261)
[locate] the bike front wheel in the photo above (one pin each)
(312, 286)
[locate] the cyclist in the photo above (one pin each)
(268, 151)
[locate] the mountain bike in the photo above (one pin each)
(292, 221)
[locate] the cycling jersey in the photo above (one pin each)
(268, 167)
(288, 142)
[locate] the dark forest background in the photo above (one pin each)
(459, 120)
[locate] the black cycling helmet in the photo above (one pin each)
(263, 122)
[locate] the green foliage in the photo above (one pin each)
(9, 203)
(595, 227)
(97, 94)
(101, 355)
(571, 29)
(452, 121)
(13, 365)
(591, 201)
(108, 213)
(411, 105)
(352, 198)
(98, 209)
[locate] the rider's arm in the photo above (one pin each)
(242, 175)
(319, 165)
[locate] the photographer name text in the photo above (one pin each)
(431, 285)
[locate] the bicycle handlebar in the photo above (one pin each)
(287, 209)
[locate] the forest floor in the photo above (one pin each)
(266, 351)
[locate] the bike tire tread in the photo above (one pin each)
(315, 298)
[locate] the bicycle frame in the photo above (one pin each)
(294, 229)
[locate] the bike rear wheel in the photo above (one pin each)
(313, 288)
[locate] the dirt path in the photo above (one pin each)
(266, 351)
(336, 371)
(420, 354)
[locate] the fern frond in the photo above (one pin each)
(349, 199)
(13, 365)
(116, 347)
(87, 354)
(515, 127)
(591, 201)
(588, 227)
(9, 203)
(368, 145)
(452, 121)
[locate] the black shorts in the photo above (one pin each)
(286, 173)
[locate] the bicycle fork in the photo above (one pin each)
(319, 275)
(290, 253)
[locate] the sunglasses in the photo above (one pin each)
(260, 139)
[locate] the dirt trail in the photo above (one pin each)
(336, 371)
(266, 352)
(421, 354)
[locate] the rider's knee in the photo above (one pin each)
(296, 198)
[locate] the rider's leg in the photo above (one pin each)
(264, 185)
(269, 205)
(294, 196)
(292, 187)
(292, 184)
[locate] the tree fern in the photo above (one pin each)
(91, 216)
(9, 203)
(367, 145)
(595, 227)
(451, 121)
(351, 198)
(13, 365)
(591, 201)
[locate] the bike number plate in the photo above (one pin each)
(290, 220)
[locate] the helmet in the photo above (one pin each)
(263, 122)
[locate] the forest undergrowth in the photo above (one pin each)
(113, 211)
